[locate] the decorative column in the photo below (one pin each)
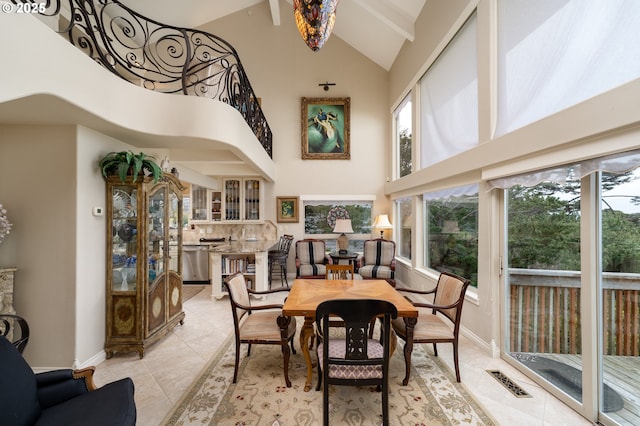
(6, 291)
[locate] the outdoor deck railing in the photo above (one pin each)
(155, 56)
(545, 312)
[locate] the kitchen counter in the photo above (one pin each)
(243, 246)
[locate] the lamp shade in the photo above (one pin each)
(381, 222)
(315, 19)
(343, 226)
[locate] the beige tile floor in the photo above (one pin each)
(170, 366)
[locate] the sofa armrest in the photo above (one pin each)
(58, 386)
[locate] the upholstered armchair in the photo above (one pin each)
(378, 260)
(311, 259)
(59, 397)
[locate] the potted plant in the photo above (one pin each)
(125, 163)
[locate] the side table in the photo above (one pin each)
(349, 257)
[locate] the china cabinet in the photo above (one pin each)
(242, 200)
(144, 249)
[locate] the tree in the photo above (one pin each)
(405, 152)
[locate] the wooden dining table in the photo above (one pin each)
(307, 294)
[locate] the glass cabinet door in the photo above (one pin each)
(174, 211)
(232, 189)
(124, 245)
(156, 235)
(251, 199)
(199, 203)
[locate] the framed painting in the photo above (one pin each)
(325, 128)
(287, 209)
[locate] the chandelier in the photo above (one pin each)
(315, 19)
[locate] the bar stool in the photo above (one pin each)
(278, 257)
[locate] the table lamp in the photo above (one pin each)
(343, 226)
(381, 222)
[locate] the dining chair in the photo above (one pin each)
(354, 359)
(339, 272)
(258, 324)
(438, 322)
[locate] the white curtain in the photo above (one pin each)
(553, 54)
(617, 164)
(449, 99)
(458, 191)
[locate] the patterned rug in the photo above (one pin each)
(261, 397)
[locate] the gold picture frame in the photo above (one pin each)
(287, 209)
(325, 124)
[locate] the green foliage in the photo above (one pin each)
(405, 152)
(454, 250)
(124, 163)
(544, 228)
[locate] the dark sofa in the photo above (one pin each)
(60, 397)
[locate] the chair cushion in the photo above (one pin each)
(379, 252)
(263, 326)
(310, 252)
(312, 270)
(112, 404)
(18, 392)
(337, 350)
(376, 271)
(428, 327)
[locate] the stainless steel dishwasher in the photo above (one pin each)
(195, 264)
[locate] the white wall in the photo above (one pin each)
(282, 69)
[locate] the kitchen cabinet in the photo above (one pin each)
(216, 206)
(199, 204)
(144, 249)
(243, 200)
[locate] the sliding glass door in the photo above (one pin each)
(572, 284)
(543, 282)
(619, 290)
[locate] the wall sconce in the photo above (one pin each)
(326, 85)
(382, 222)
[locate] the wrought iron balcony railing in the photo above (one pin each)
(157, 57)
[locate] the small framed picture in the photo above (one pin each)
(287, 209)
(325, 128)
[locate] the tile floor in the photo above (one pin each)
(170, 366)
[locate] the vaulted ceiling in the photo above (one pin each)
(376, 28)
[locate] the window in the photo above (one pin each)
(403, 124)
(403, 227)
(451, 226)
(449, 99)
(555, 54)
(320, 216)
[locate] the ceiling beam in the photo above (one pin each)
(274, 5)
(400, 23)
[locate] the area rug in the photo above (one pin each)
(261, 397)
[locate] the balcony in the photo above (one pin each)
(545, 328)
